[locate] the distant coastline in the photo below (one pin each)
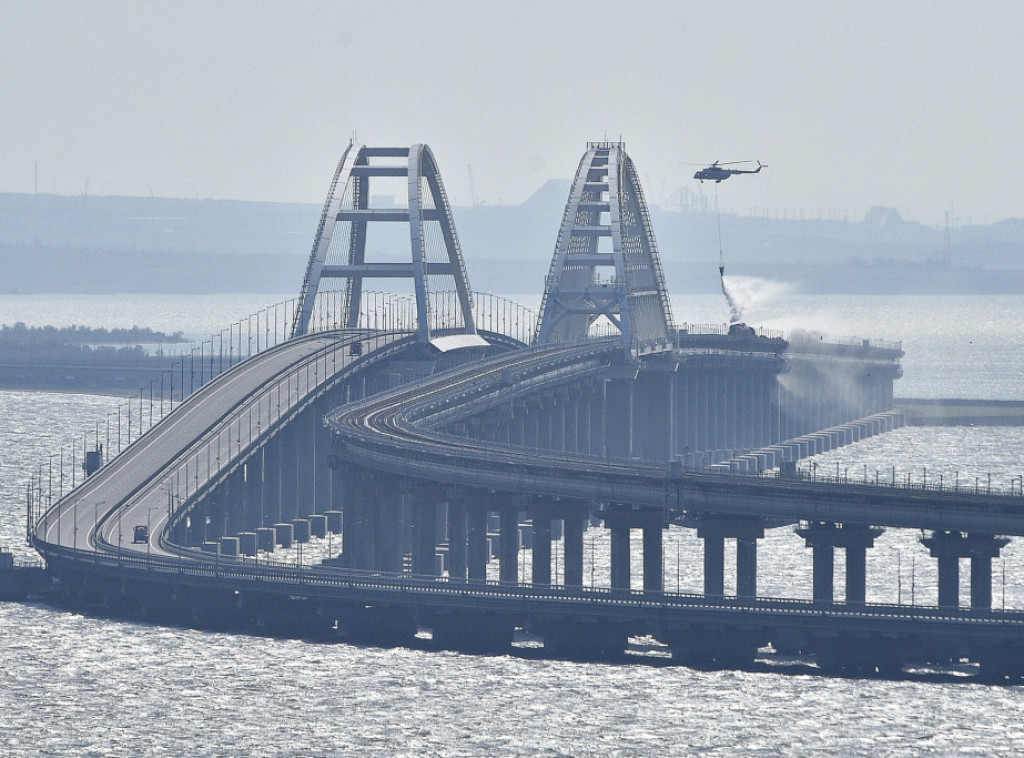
(83, 359)
(51, 243)
(961, 412)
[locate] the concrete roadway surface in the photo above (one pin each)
(211, 430)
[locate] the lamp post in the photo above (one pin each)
(49, 493)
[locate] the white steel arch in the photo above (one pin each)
(435, 262)
(621, 278)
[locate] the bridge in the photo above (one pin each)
(429, 431)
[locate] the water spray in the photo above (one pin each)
(735, 312)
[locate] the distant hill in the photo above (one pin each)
(51, 243)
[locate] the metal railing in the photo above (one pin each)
(411, 588)
(200, 363)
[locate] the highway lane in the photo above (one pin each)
(210, 432)
(226, 420)
(403, 432)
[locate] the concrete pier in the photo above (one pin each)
(335, 521)
(248, 543)
(266, 537)
(284, 535)
(301, 529)
(508, 551)
(949, 547)
(541, 548)
(318, 525)
(476, 544)
(823, 538)
(620, 520)
(714, 530)
(458, 554)
(574, 526)
(229, 546)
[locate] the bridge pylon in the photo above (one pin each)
(435, 264)
(606, 228)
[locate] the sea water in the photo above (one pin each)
(77, 685)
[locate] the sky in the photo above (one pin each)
(912, 105)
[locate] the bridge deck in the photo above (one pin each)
(400, 432)
(210, 433)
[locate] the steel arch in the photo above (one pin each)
(348, 201)
(606, 201)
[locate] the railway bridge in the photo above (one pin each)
(442, 445)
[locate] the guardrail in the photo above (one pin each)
(408, 588)
(199, 364)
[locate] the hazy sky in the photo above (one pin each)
(917, 105)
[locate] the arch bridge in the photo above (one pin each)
(430, 444)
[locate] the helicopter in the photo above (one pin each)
(716, 173)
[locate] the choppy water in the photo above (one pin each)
(73, 685)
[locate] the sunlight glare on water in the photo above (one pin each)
(77, 685)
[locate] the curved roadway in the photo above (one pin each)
(210, 433)
(155, 480)
(403, 431)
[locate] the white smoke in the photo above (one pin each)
(747, 295)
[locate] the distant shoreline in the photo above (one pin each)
(961, 412)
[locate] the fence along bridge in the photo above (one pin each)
(428, 443)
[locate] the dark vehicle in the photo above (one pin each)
(356, 348)
(140, 535)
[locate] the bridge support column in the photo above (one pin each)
(253, 496)
(619, 520)
(517, 424)
(322, 480)
(655, 411)
(596, 420)
(272, 482)
(457, 553)
(217, 519)
(531, 423)
(305, 464)
(575, 519)
(232, 495)
(559, 420)
(823, 538)
(289, 455)
(508, 557)
(572, 403)
(386, 519)
(746, 568)
(823, 573)
(541, 548)
(714, 565)
(620, 569)
(949, 547)
(618, 417)
(424, 528)
(545, 412)
(357, 536)
(196, 527)
(653, 559)
(476, 526)
(714, 530)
